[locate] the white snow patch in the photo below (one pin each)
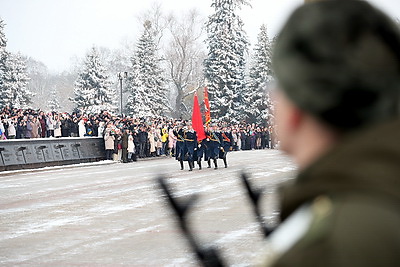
(148, 229)
(234, 235)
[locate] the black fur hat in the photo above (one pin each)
(340, 61)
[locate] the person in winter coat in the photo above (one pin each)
(143, 139)
(21, 129)
(42, 121)
(158, 139)
(82, 128)
(131, 148)
(109, 143)
(57, 126)
(267, 137)
(171, 141)
(74, 127)
(29, 128)
(342, 128)
(152, 142)
(164, 140)
(36, 128)
(12, 132)
(236, 140)
(258, 134)
(117, 156)
(50, 125)
(66, 125)
(2, 130)
(95, 127)
(134, 133)
(243, 137)
(124, 145)
(100, 130)
(89, 129)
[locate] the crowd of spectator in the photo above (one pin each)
(147, 137)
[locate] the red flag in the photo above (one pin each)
(197, 121)
(207, 105)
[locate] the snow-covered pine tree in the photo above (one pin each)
(145, 82)
(93, 90)
(17, 80)
(3, 39)
(225, 64)
(13, 76)
(5, 88)
(257, 98)
(53, 103)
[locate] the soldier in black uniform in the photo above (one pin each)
(200, 151)
(180, 144)
(190, 144)
(227, 144)
(206, 144)
(213, 145)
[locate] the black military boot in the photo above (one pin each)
(209, 163)
(226, 164)
(191, 165)
(181, 161)
(199, 163)
(215, 164)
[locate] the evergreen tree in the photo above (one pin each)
(145, 83)
(3, 39)
(17, 80)
(5, 89)
(225, 65)
(93, 90)
(257, 98)
(13, 76)
(53, 103)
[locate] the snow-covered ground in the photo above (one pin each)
(114, 214)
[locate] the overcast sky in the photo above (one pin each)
(54, 31)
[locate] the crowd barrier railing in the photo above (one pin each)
(41, 152)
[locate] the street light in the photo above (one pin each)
(121, 76)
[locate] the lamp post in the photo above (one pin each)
(121, 76)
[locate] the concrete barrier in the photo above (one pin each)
(35, 153)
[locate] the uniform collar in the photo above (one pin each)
(366, 162)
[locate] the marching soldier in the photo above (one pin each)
(180, 144)
(200, 151)
(190, 144)
(206, 145)
(213, 146)
(227, 144)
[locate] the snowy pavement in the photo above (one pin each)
(113, 214)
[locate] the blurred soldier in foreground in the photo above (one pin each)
(338, 69)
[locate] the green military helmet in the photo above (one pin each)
(340, 61)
